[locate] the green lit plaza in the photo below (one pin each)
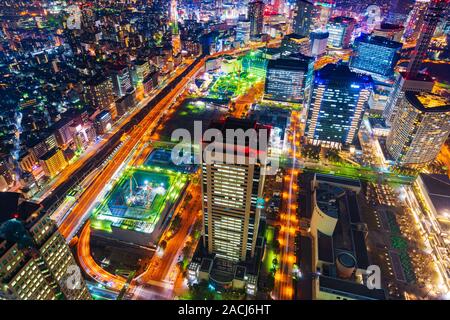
(139, 200)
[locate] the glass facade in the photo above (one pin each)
(337, 105)
(375, 55)
(289, 80)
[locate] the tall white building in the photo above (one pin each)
(420, 128)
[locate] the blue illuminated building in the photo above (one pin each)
(337, 105)
(375, 55)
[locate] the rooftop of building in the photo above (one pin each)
(97, 80)
(49, 154)
(341, 74)
(428, 102)
(377, 122)
(384, 26)
(342, 19)
(438, 189)
(15, 207)
(295, 37)
(326, 198)
(231, 123)
(378, 40)
(295, 62)
(350, 288)
(319, 34)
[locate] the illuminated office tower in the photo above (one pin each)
(289, 79)
(420, 128)
(303, 17)
(256, 17)
(35, 261)
(412, 79)
(243, 31)
(232, 193)
(337, 105)
(415, 20)
(375, 55)
(340, 31)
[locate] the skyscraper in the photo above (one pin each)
(340, 30)
(35, 261)
(256, 17)
(412, 79)
(243, 31)
(303, 18)
(318, 40)
(289, 79)
(337, 105)
(375, 55)
(232, 192)
(415, 20)
(432, 17)
(420, 128)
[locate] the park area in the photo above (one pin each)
(232, 85)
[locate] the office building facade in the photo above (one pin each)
(289, 79)
(231, 194)
(256, 17)
(340, 31)
(303, 17)
(375, 55)
(318, 41)
(337, 105)
(420, 128)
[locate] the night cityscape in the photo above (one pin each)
(250, 150)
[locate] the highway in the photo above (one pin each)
(288, 218)
(88, 198)
(140, 126)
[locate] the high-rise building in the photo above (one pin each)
(294, 43)
(35, 261)
(289, 79)
(232, 191)
(433, 14)
(337, 105)
(100, 93)
(422, 83)
(340, 31)
(375, 55)
(415, 20)
(53, 162)
(121, 80)
(303, 18)
(243, 31)
(412, 79)
(256, 17)
(420, 128)
(318, 41)
(390, 31)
